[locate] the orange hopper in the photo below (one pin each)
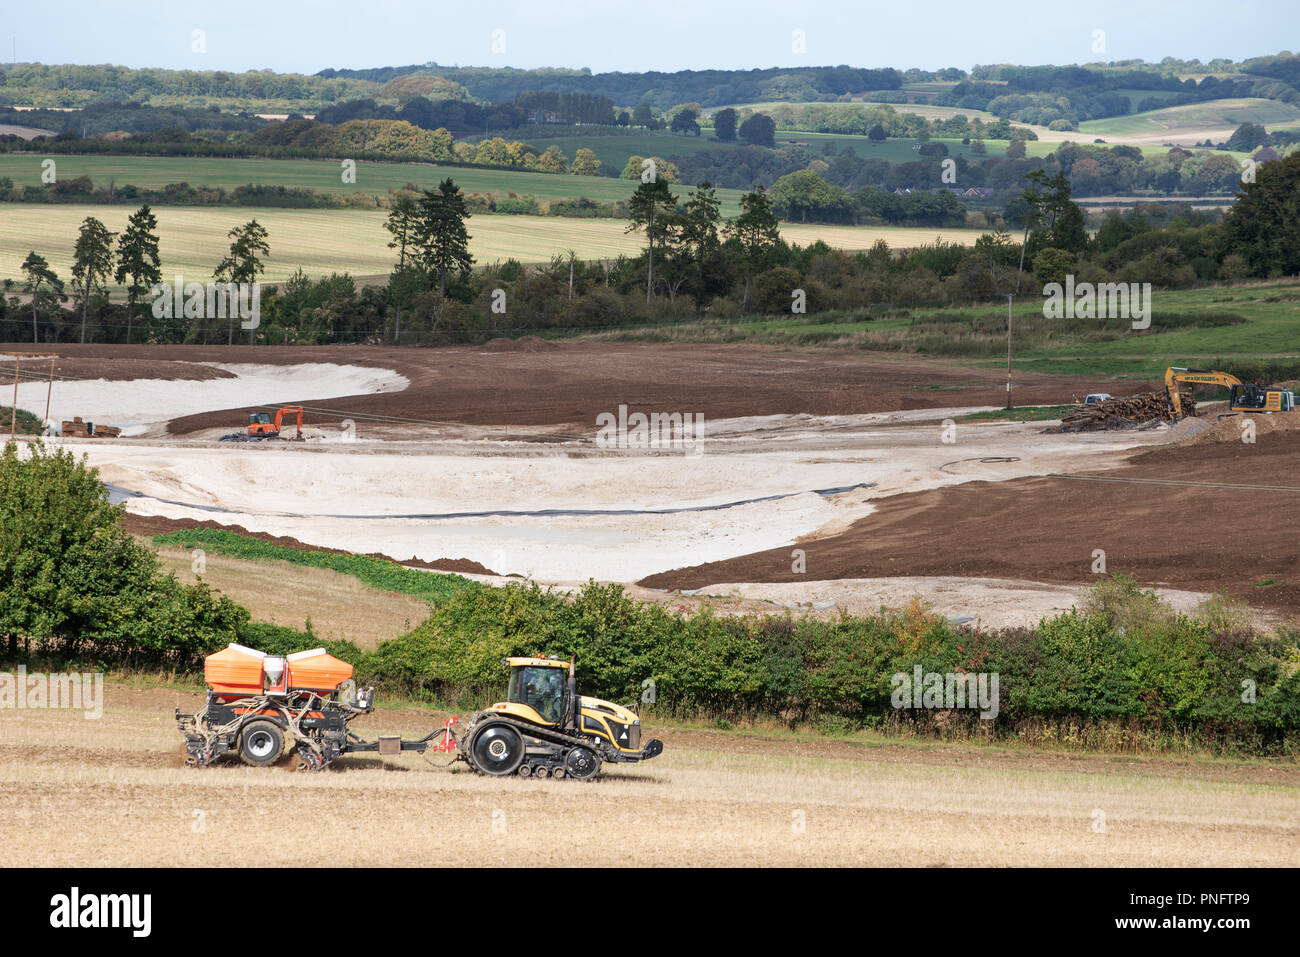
(234, 671)
(317, 670)
(239, 672)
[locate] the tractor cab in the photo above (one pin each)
(540, 684)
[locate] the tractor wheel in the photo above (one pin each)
(260, 743)
(497, 749)
(582, 764)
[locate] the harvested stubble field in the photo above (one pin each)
(115, 792)
(193, 239)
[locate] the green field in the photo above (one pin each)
(1215, 119)
(1272, 313)
(153, 172)
(193, 239)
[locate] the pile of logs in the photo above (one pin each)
(1126, 412)
(89, 430)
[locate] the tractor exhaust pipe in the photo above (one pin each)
(571, 711)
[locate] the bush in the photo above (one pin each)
(773, 290)
(75, 585)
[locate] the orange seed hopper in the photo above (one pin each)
(239, 672)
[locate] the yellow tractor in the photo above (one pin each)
(1242, 397)
(544, 728)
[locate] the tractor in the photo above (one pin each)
(544, 728)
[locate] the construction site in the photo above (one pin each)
(491, 456)
(822, 483)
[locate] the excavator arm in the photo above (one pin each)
(1241, 397)
(1175, 375)
(279, 418)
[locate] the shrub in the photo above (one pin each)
(73, 583)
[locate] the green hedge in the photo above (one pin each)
(1176, 678)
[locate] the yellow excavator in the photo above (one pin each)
(544, 728)
(1242, 397)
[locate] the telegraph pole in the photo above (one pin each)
(1010, 296)
(13, 413)
(49, 391)
(1019, 271)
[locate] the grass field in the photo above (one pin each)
(338, 606)
(1272, 312)
(920, 109)
(713, 798)
(1193, 122)
(154, 172)
(193, 239)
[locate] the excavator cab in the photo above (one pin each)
(261, 425)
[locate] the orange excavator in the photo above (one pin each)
(261, 425)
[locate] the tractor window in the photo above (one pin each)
(539, 688)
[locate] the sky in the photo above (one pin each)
(305, 36)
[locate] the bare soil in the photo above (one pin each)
(104, 362)
(1223, 540)
(569, 383)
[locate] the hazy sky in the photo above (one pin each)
(308, 35)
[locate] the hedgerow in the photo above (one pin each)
(1122, 671)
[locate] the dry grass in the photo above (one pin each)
(112, 792)
(339, 606)
(320, 241)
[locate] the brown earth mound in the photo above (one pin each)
(1231, 428)
(146, 526)
(110, 366)
(524, 344)
(1238, 541)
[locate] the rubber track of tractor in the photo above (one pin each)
(534, 731)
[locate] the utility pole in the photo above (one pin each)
(1010, 296)
(49, 391)
(1019, 271)
(13, 413)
